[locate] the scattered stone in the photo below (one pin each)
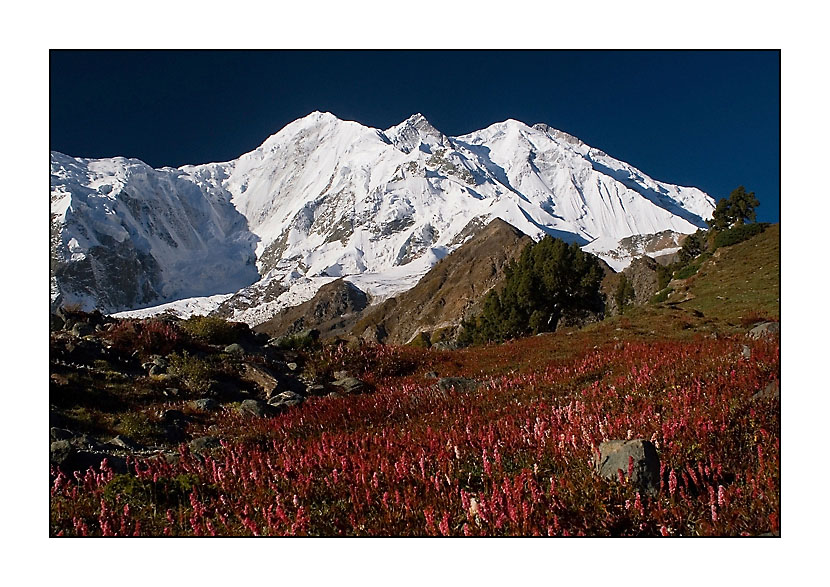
(60, 451)
(457, 384)
(771, 391)
(341, 375)
(334, 394)
(171, 391)
(235, 349)
(206, 404)
(124, 442)
(746, 352)
(350, 385)
(316, 389)
(286, 399)
(765, 329)
(431, 375)
(614, 455)
(261, 377)
(292, 366)
(81, 329)
(204, 443)
(85, 442)
(254, 407)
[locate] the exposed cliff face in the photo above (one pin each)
(449, 292)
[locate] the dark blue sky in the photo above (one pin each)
(708, 119)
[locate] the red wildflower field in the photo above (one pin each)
(511, 457)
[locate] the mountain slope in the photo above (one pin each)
(449, 292)
(325, 198)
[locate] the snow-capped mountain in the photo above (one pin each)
(325, 198)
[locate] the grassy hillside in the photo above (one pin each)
(507, 450)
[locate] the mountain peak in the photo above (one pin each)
(414, 131)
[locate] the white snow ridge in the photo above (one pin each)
(326, 198)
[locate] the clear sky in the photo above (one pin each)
(709, 119)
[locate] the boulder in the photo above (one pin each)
(124, 443)
(261, 377)
(457, 384)
(287, 399)
(746, 352)
(765, 329)
(614, 455)
(316, 389)
(350, 385)
(60, 451)
(255, 407)
(204, 443)
(206, 404)
(771, 391)
(235, 349)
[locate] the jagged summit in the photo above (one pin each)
(413, 132)
(325, 198)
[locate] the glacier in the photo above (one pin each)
(325, 198)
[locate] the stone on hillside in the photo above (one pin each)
(235, 349)
(341, 375)
(261, 377)
(255, 407)
(287, 399)
(765, 329)
(82, 329)
(316, 390)
(85, 442)
(350, 385)
(292, 366)
(124, 442)
(457, 384)
(746, 352)
(204, 443)
(614, 455)
(207, 404)
(771, 391)
(60, 451)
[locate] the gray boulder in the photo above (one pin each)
(770, 392)
(286, 399)
(124, 443)
(350, 385)
(235, 349)
(316, 389)
(255, 407)
(206, 404)
(457, 384)
(765, 329)
(614, 456)
(204, 443)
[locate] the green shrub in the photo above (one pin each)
(196, 373)
(686, 272)
(214, 330)
(551, 279)
(624, 293)
(738, 234)
(661, 296)
(297, 342)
